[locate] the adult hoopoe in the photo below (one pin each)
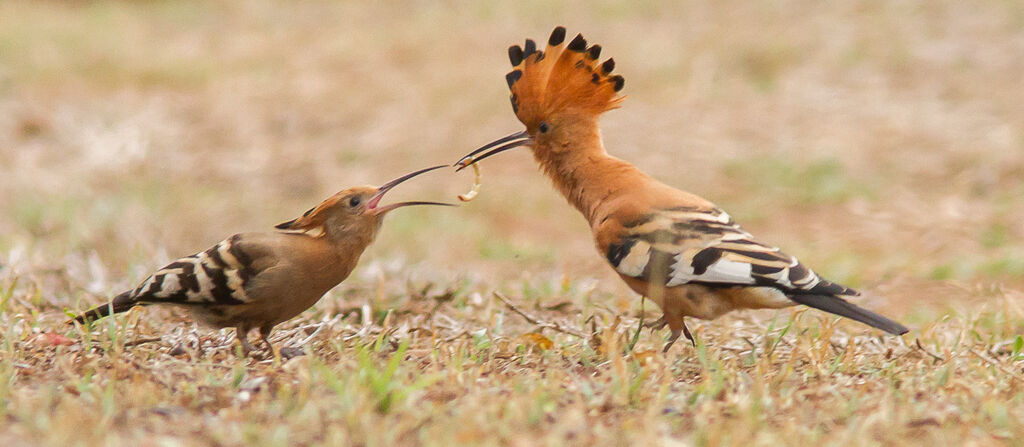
(678, 249)
(257, 280)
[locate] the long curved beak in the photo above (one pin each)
(392, 206)
(500, 145)
(371, 205)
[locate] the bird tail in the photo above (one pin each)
(561, 78)
(841, 307)
(120, 303)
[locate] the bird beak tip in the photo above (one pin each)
(521, 138)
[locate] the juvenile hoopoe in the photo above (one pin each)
(673, 247)
(257, 280)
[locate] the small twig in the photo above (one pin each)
(926, 351)
(532, 320)
(515, 309)
(316, 332)
(998, 365)
(215, 365)
(455, 337)
(363, 332)
(139, 341)
(606, 309)
(448, 322)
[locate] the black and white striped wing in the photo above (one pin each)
(687, 245)
(217, 276)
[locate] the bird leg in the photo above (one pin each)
(673, 317)
(265, 336)
(285, 353)
(675, 324)
(242, 334)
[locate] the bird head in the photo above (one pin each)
(554, 92)
(353, 209)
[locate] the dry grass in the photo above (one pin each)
(882, 142)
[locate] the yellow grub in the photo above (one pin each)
(476, 184)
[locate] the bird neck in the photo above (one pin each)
(352, 239)
(582, 170)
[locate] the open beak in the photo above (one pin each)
(500, 145)
(371, 205)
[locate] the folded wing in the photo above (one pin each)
(219, 275)
(694, 245)
(691, 245)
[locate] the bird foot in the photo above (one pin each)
(689, 336)
(656, 324)
(242, 336)
(671, 340)
(247, 348)
(675, 336)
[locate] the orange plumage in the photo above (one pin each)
(561, 81)
(681, 251)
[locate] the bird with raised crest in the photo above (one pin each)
(258, 280)
(676, 248)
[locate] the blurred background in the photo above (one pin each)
(880, 142)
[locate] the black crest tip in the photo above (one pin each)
(557, 36)
(512, 77)
(608, 66)
(515, 55)
(619, 82)
(578, 44)
(594, 52)
(529, 47)
(285, 225)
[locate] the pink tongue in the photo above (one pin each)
(374, 201)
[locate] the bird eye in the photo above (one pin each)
(543, 127)
(354, 202)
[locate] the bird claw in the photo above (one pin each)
(689, 336)
(246, 346)
(656, 324)
(276, 354)
(671, 340)
(675, 336)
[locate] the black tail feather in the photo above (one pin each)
(120, 303)
(841, 307)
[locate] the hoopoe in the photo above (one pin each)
(676, 248)
(258, 280)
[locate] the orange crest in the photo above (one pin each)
(313, 219)
(561, 80)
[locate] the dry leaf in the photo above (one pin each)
(533, 339)
(645, 357)
(53, 339)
